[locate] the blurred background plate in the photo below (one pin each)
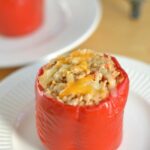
(67, 24)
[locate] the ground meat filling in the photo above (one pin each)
(82, 77)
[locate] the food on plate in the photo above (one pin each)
(19, 17)
(80, 100)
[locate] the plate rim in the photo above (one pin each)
(16, 74)
(145, 66)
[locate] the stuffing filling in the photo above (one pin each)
(82, 77)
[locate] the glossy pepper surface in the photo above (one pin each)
(65, 127)
(19, 17)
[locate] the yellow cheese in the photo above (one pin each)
(81, 86)
(83, 56)
(83, 65)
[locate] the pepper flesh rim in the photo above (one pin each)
(101, 103)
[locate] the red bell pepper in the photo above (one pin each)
(65, 127)
(19, 17)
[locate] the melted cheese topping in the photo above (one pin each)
(82, 77)
(81, 86)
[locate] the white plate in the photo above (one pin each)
(67, 24)
(17, 122)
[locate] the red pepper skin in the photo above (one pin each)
(19, 17)
(65, 127)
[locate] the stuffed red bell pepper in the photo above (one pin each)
(19, 17)
(80, 100)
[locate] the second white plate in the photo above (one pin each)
(17, 121)
(67, 24)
